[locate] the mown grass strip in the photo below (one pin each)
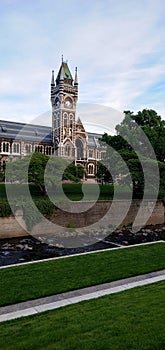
(51, 277)
(130, 320)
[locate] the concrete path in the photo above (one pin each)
(36, 306)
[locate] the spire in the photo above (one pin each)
(61, 73)
(52, 81)
(64, 74)
(76, 77)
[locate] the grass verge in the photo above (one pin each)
(130, 320)
(51, 277)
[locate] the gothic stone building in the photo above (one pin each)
(65, 138)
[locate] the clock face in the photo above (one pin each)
(68, 103)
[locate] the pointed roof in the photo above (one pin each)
(79, 125)
(64, 73)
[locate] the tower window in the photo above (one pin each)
(80, 149)
(67, 150)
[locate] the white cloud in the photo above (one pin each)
(117, 46)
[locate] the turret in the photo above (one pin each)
(76, 77)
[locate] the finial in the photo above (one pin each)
(76, 77)
(52, 82)
(62, 58)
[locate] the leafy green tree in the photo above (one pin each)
(74, 172)
(103, 174)
(153, 126)
(43, 171)
(29, 169)
(135, 135)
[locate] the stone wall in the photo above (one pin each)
(101, 214)
(13, 226)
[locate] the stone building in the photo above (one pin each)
(66, 137)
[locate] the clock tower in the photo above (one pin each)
(64, 96)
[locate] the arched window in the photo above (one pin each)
(80, 152)
(16, 148)
(28, 148)
(6, 147)
(67, 150)
(91, 169)
(48, 150)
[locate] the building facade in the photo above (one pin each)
(65, 138)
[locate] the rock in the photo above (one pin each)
(20, 246)
(27, 247)
(59, 245)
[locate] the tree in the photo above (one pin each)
(152, 125)
(139, 138)
(74, 172)
(103, 174)
(43, 170)
(29, 169)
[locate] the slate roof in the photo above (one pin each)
(38, 133)
(28, 132)
(93, 140)
(66, 74)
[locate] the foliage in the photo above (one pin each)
(152, 125)
(103, 174)
(5, 209)
(42, 170)
(2, 176)
(73, 172)
(33, 211)
(136, 152)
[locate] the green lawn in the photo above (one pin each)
(51, 277)
(130, 320)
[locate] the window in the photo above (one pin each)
(102, 155)
(67, 150)
(91, 169)
(90, 153)
(6, 147)
(3, 128)
(16, 148)
(28, 148)
(48, 151)
(39, 149)
(79, 146)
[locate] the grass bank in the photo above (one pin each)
(51, 277)
(130, 320)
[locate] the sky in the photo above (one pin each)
(118, 47)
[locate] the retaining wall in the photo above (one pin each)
(101, 214)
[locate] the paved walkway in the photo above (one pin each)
(36, 306)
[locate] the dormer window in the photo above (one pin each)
(3, 128)
(36, 132)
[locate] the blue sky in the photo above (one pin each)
(118, 47)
